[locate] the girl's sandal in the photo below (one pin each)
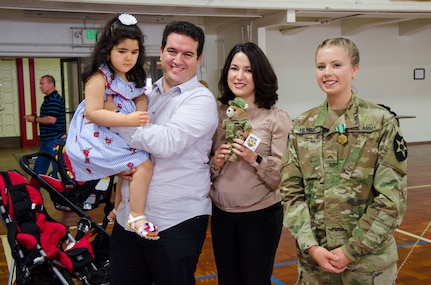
(112, 216)
(145, 229)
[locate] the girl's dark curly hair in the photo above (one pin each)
(112, 34)
(264, 77)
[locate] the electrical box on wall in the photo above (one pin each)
(419, 73)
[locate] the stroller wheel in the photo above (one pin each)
(67, 277)
(84, 226)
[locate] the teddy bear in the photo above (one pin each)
(235, 123)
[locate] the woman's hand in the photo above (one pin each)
(244, 152)
(219, 157)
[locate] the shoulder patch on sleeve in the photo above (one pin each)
(400, 148)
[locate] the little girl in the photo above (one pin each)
(114, 96)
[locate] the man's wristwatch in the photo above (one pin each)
(257, 162)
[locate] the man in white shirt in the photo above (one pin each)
(183, 119)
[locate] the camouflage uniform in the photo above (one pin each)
(350, 195)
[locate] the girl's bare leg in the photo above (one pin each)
(117, 199)
(138, 195)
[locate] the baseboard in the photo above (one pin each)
(418, 143)
(10, 142)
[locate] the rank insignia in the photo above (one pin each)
(400, 148)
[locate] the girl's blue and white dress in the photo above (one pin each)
(96, 152)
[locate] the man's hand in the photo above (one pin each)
(30, 118)
(127, 174)
(109, 104)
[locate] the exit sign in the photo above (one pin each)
(90, 35)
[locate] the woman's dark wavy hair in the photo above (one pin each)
(112, 34)
(264, 77)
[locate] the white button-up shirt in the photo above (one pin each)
(179, 138)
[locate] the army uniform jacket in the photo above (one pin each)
(346, 193)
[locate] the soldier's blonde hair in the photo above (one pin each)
(348, 45)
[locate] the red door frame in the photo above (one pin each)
(25, 142)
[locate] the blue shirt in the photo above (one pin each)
(53, 105)
(179, 138)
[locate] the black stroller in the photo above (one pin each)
(43, 250)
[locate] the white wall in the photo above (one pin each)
(30, 37)
(385, 74)
(373, 5)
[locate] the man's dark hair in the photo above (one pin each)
(50, 78)
(187, 29)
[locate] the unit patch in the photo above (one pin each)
(400, 148)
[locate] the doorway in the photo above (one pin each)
(72, 88)
(67, 71)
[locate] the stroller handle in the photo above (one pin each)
(25, 165)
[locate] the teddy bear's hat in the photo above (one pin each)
(239, 102)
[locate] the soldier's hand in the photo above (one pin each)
(342, 261)
(325, 259)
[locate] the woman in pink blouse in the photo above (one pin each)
(247, 213)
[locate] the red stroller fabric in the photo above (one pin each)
(30, 228)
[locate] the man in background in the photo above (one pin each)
(52, 123)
